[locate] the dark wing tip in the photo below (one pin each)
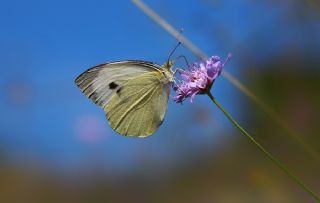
(86, 75)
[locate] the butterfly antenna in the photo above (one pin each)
(174, 49)
(179, 43)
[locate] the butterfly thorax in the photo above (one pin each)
(167, 72)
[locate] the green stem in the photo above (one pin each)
(263, 150)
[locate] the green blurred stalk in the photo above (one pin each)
(264, 151)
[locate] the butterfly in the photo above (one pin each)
(134, 94)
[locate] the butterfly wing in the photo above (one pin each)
(138, 108)
(132, 93)
(100, 82)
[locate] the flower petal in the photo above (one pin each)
(198, 79)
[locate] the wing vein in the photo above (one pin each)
(132, 107)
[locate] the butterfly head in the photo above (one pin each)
(167, 71)
(168, 65)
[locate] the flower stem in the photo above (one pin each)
(263, 150)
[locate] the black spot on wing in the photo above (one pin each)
(113, 85)
(119, 90)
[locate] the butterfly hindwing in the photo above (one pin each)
(139, 106)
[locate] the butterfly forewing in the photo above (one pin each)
(100, 82)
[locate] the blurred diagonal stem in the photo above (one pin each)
(264, 151)
(200, 54)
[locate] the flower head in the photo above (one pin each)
(198, 79)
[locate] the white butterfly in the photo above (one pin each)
(134, 94)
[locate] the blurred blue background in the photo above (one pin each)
(48, 127)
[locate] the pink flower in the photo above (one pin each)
(198, 79)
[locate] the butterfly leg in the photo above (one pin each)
(185, 59)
